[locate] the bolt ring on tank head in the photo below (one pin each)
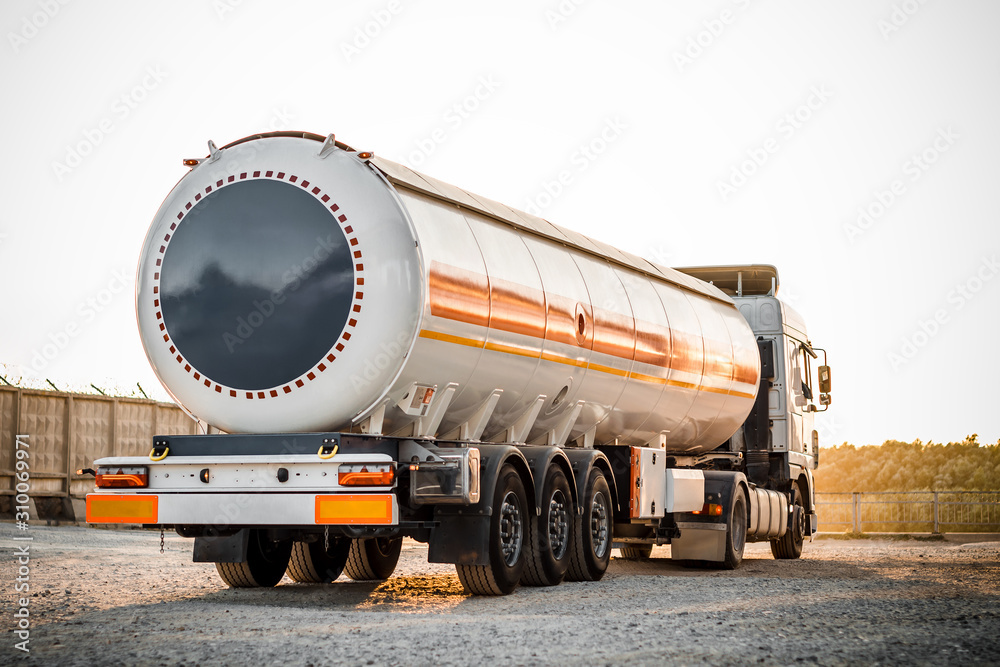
(273, 310)
(257, 304)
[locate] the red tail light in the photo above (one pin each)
(366, 474)
(113, 477)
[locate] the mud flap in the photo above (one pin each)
(460, 539)
(222, 549)
(699, 541)
(702, 539)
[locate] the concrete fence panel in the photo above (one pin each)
(67, 432)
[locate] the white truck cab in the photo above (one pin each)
(780, 441)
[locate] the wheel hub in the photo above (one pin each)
(510, 529)
(558, 525)
(599, 526)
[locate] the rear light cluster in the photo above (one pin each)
(709, 509)
(118, 477)
(366, 474)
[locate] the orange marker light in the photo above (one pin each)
(710, 509)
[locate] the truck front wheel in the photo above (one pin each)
(736, 532)
(506, 552)
(317, 563)
(265, 564)
(790, 544)
(373, 559)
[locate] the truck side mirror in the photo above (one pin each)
(824, 381)
(824, 399)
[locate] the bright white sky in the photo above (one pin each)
(841, 103)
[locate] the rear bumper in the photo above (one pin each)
(244, 509)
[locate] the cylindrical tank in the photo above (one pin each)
(290, 283)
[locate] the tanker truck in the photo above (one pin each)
(375, 354)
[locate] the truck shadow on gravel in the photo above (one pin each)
(764, 566)
(418, 591)
(438, 591)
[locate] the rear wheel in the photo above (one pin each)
(592, 542)
(789, 545)
(550, 535)
(506, 552)
(373, 559)
(319, 562)
(636, 551)
(265, 564)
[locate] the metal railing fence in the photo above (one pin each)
(909, 511)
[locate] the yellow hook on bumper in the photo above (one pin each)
(333, 452)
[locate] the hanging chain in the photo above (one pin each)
(326, 539)
(161, 540)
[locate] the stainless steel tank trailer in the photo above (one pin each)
(391, 356)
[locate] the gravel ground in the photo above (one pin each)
(110, 597)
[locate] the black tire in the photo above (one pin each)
(313, 563)
(508, 524)
(265, 564)
(549, 544)
(636, 551)
(373, 559)
(736, 532)
(789, 545)
(592, 544)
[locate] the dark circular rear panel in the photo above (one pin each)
(256, 284)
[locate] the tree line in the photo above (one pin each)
(910, 466)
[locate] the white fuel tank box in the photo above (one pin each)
(685, 490)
